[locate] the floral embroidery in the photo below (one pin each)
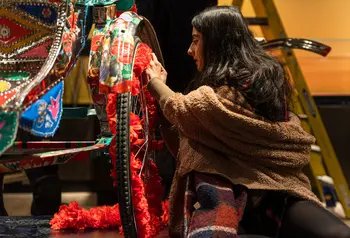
(43, 117)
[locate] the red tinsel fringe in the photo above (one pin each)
(154, 191)
(165, 215)
(75, 217)
(150, 212)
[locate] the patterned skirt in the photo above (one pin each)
(214, 207)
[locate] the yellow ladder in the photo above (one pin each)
(323, 158)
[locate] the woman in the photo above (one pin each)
(241, 153)
(167, 26)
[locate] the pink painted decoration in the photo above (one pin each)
(54, 106)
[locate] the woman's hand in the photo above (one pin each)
(156, 70)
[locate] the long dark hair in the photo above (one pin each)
(233, 56)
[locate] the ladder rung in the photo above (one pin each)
(315, 148)
(260, 21)
(302, 116)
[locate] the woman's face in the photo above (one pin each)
(196, 49)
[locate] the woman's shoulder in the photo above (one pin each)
(232, 95)
(225, 97)
(222, 91)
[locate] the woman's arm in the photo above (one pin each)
(169, 133)
(159, 90)
(170, 136)
(176, 108)
(179, 109)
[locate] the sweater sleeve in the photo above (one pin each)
(179, 109)
(160, 91)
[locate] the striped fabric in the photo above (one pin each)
(213, 207)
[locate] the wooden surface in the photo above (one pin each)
(327, 76)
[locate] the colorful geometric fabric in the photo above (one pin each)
(45, 13)
(30, 37)
(43, 117)
(213, 206)
(17, 33)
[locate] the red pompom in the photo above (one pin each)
(165, 216)
(143, 59)
(75, 217)
(154, 191)
(135, 86)
(111, 110)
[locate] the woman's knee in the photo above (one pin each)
(326, 231)
(306, 219)
(337, 231)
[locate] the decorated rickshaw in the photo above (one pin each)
(40, 42)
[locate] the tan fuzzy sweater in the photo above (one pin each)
(220, 134)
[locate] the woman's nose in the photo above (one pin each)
(189, 51)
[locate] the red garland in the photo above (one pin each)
(165, 216)
(150, 212)
(154, 191)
